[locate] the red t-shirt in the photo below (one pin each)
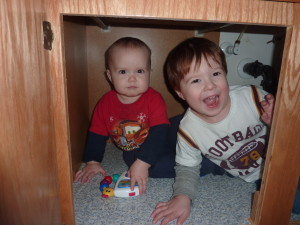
(128, 124)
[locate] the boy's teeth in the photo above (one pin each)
(211, 99)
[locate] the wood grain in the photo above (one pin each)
(234, 11)
(75, 42)
(283, 142)
(281, 175)
(293, 1)
(28, 191)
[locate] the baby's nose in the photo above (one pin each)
(132, 77)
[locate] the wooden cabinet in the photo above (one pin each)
(29, 189)
(294, 1)
(35, 134)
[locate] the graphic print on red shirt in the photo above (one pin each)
(128, 124)
(129, 134)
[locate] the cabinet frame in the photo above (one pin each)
(282, 167)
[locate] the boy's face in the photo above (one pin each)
(206, 91)
(129, 72)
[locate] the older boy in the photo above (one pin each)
(225, 124)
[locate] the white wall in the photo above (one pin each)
(252, 46)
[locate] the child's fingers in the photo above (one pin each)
(87, 177)
(78, 175)
(268, 106)
(132, 183)
(165, 214)
(268, 101)
(159, 208)
(159, 213)
(270, 97)
(103, 172)
(142, 186)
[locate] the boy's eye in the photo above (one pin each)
(122, 71)
(195, 81)
(216, 73)
(140, 71)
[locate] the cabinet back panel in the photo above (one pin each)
(160, 41)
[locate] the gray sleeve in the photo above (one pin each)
(186, 180)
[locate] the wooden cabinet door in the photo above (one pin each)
(29, 189)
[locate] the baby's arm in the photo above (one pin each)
(93, 155)
(138, 173)
(91, 169)
(185, 189)
(151, 150)
(268, 107)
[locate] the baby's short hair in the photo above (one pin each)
(180, 58)
(127, 42)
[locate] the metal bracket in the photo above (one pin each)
(48, 35)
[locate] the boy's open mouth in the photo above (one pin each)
(212, 101)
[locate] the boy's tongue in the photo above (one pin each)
(211, 101)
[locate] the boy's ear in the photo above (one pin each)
(180, 95)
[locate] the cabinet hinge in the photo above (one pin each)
(48, 35)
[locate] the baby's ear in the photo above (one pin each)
(180, 95)
(107, 73)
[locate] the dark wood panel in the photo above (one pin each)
(77, 88)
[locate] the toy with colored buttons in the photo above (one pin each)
(104, 185)
(121, 189)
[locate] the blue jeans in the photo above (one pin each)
(164, 167)
(296, 207)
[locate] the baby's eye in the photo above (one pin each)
(196, 81)
(216, 73)
(122, 71)
(140, 71)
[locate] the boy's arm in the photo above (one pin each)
(186, 181)
(155, 144)
(179, 207)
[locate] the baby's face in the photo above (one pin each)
(206, 91)
(129, 72)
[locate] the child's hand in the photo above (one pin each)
(138, 172)
(268, 106)
(178, 208)
(86, 173)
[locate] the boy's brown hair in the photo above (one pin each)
(127, 42)
(180, 58)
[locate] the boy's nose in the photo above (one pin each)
(209, 84)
